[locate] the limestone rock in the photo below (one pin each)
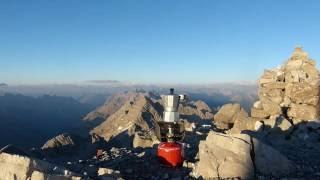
(259, 113)
(225, 117)
(257, 105)
(20, 167)
(198, 110)
(286, 102)
(243, 123)
(292, 65)
(283, 124)
(271, 107)
(268, 77)
(59, 141)
(269, 123)
(277, 124)
(110, 174)
(303, 112)
(105, 171)
(143, 140)
(311, 73)
(225, 156)
(303, 93)
(202, 106)
(36, 175)
(258, 126)
(274, 85)
(220, 153)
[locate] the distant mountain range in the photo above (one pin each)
(28, 117)
(30, 121)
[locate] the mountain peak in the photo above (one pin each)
(138, 111)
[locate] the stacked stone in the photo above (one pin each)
(291, 90)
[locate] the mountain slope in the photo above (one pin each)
(112, 104)
(28, 121)
(137, 113)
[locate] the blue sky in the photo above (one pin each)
(145, 41)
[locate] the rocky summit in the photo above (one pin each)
(291, 90)
(278, 139)
(240, 156)
(282, 128)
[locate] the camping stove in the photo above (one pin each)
(170, 131)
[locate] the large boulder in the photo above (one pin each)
(303, 112)
(303, 93)
(269, 106)
(204, 110)
(259, 113)
(194, 111)
(19, 167)
(225, 156)
(226, 116)
(243, 123)
(240, 156)
(275, 95)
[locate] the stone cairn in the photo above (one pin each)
(291, 91)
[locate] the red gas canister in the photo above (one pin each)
(170, 153)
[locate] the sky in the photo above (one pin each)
(152, 41)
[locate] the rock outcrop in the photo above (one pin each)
(227, 115)
(21, 167)
(59, 141)
(291, 90)
(286, 117)
(243, 123)
(240, 156)
(195, 111)
(287, 95)
(72, 147)
(223, 156)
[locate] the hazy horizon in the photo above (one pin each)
(120, 83)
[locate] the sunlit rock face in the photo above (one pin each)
(18, 166)
(239, 156)
(291, 90)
